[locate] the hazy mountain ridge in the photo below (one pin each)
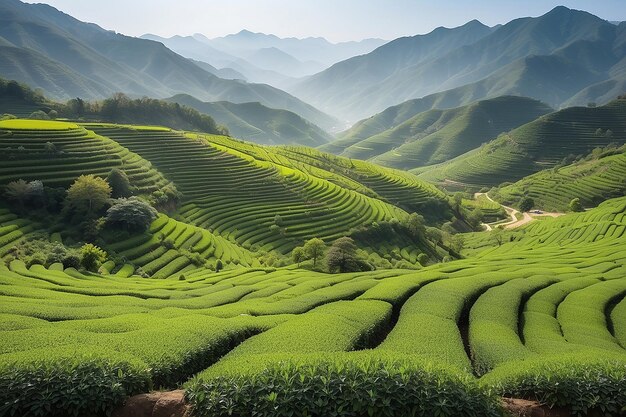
(101, 63)
(522, 54)
(266, 58)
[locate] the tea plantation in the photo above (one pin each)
(540, 315)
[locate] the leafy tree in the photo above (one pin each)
(298, 255)
(575, 205)
(219, 265)
(39, 115)
(53, 114)
(36, 192)
(314, 249)
(342, 256)
(120, 185)
(278, 220)
(18, 192)
(434, 235)
(457, 243)
(497, 235)
(89, 193)
(91, 257)
(475, 217)
(132, 214)
(415, 225)
(526, 204)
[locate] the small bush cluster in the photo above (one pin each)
(342, 388)
(85, 387)
(583, 385)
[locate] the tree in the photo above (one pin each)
(120, 185)
(475, 217)
(298, 255)
(17, 191)
(415, 225)
(575, 205)
(314, 249)
(39, 115)
(434, 235)
(89, 193)
(497, 235)
(132, 214)
(342, 255)
(526, 204)
(219, 265)
(91, 257)
(457, 243)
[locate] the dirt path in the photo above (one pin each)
(512, 213)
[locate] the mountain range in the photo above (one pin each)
(563, 58)
(65, 57)
(264, 58)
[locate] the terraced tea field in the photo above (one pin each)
(552, 297)
(591, 181)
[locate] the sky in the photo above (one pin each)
(336, 20)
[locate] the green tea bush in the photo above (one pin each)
(65, 385)
(583, 384)
(342, 387)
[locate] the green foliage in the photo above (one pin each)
(120, 184)
(69, 385)
(576, 206)
(342, 388)
(526, 204)
(422, 258)
(219, 265)
(88, 193)
(91, 257)
(132, 214)
(416, 225)
(314, 249)
(298, 255)
(585, 385)
(342, 256)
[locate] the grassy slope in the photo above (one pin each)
(258, 123)
(439, 135)
(536, 146)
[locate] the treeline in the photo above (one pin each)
(117, 109)
(19, 91)
(122, 109)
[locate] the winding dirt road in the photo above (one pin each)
(512, 213)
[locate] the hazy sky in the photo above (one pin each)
(337, 20)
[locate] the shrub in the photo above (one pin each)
(582, 384)
(576, 206)
(69, 386)
(120, 185)
(91, 257)
(132, 214)
(526, 204)
(219, 265)
(422, 258)
(342, 387)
